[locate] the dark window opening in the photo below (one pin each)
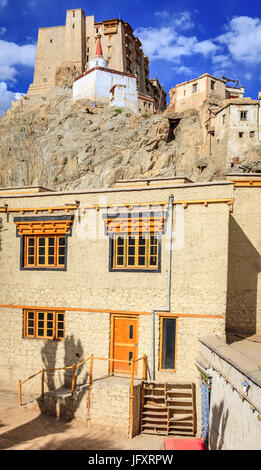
(240, 134)
(131, 332)
(243, 115)
(168, 331)
(212, 85)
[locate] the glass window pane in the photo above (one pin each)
(51, 241)
(61, 250)
(31, 242)
(153, 250)
(60, 334)
(31, 251)
(60, 317)
(40, 332)
(31, 315)
(51, 250)
(168, 343)
(40, 324)
(51, 260)
(131, 250)
(142, 250)
(153, 240)
(30, 259)
(61, 260)
(41, 316)
(120, 260)
(131, 332)
(141, 261)
(153, 261)
(120, 250)
(49, 316)
(131, 260)
(41, 241)
(31, 331)
(41, 260)
(131, 241)
(61, 241)
(50, 333)
(120, 241)
(142, 241)
(31, 323)
(49, 324)
(60, 325)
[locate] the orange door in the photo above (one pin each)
(125, 343)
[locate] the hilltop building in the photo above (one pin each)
(75, 44)
(230, 122)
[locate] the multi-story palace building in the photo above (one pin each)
(76, 42)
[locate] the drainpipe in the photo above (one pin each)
(167, 308)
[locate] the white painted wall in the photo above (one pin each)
(97, 84)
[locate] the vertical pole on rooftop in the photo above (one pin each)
(90, 384)
(131, 398)
(19, 393)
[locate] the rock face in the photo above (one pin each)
(56, 142)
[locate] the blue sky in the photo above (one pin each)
(183, 38)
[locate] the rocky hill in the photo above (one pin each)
(56, 142)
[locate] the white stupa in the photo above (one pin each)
(103, 85)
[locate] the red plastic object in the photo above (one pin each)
(184, 444)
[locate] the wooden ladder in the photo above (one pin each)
(168, 409)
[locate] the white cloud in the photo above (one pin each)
(170, 42)
(7, 73)
(242, 38)
(3, 3)
(6, 97)
(166, 43)
(11, 55)
(184, 70)
(180, 20)
(2, 30)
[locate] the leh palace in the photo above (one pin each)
(130, 239)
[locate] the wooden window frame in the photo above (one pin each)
(46, 255)
(113, 245)
(36, 234)
(162, 317)
(55, 320)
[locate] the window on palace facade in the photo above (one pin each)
(194, 88)
(44, 324)
(135, 241)
(44, 242)
(168, 333)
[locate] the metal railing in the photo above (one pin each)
(91, 358)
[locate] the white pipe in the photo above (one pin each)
(166, 309)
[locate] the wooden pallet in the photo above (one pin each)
(168, 409)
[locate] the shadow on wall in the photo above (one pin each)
(244, 264)
(73, 354)
(218, 422)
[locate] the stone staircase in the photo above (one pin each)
(168, 409)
